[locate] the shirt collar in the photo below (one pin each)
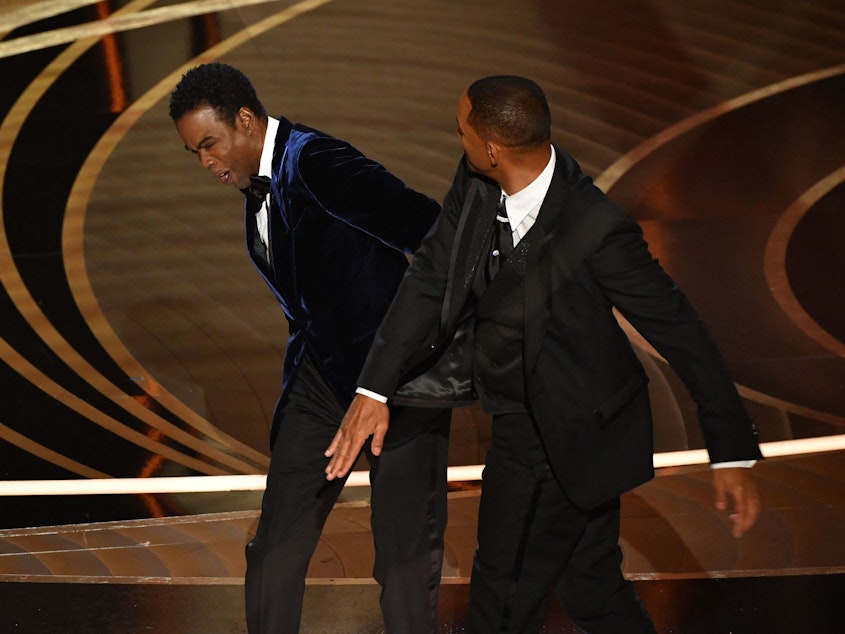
(265, 168)
(531, 197)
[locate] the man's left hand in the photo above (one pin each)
(738, 484)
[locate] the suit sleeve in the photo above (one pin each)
(641, 290)
(363, 194)
(410, 329)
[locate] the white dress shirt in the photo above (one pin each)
(265, 168)
(523, 206)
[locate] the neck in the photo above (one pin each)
(257, 140)
(522, 169)
(261, 129)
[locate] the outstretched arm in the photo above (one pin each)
(365, 417)
(410, 325)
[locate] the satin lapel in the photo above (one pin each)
(282, 262)
(280, 214)
(472, 239)
(256, 249)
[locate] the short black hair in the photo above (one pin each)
(511, 110)
(222, 87)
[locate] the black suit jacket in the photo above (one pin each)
(584, 385)
(340, 230)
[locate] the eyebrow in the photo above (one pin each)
(199, 145)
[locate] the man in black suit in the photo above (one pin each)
(572, 426)
(329, 230)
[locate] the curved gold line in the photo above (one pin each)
(30, 310)
(37, 449)
(85, 409)
(119, 21)
(775, 263)
(746, 392)
(32, 12)
(607, 179)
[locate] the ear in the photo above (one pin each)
(493, 153)
(246, 120)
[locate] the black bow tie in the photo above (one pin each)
(259, 186)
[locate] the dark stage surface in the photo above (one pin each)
(693, 606)
(136, 341)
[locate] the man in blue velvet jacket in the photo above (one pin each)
(329, 230)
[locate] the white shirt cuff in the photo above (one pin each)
(372, 395)
(736, 463)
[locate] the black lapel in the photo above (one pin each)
(256, 247)
(472, 241)
(278, 221)
(551, 222)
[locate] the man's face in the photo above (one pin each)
(475, 148)
(230, 153)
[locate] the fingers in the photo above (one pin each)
(343, 452)
(334, 445)
(365, 417)
(747, 505)
(378, 440)
(738, 486)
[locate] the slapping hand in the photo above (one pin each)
(365, 417)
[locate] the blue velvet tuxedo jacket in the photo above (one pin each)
(340, 226)
(584, 385)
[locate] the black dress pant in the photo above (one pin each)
(408, 513)
(531, 538)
